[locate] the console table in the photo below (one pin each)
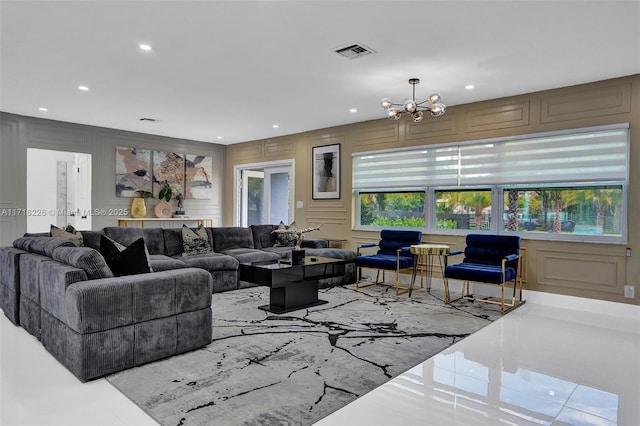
(200, 221)
(292, 287)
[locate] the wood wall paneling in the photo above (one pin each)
(59, 137)
(246, 153)
(580, 270)
(505, 115)
(430, 127)
(572, 105)
(375, 134)
(279, 148)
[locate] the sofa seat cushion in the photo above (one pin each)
(211, 262)
(160, 262)
(85, 258)
(109, 303)
(479, 273)
(283, 252)
(245, 255)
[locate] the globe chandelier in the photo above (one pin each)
(415, 109)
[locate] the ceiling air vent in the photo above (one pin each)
(354, 51)
(150, 120)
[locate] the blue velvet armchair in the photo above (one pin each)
(393, 255)
(488, 259)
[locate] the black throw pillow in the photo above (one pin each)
(128, 260)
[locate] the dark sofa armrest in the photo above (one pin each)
(511, 257)
(456, 252)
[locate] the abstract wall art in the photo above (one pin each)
(168, 167)
(198, 172)
(133, 171)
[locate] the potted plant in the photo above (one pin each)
(163, 208)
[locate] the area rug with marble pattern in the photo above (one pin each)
(296, 368)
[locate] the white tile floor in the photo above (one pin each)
(540, 364)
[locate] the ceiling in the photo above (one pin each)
(233, 69)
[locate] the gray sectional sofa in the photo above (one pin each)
(95, 323)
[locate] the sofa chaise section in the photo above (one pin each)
(116, 323)
(95, 323)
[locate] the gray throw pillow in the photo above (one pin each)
(285, 239)
(195, 242)
(85, 258)
(69, 233)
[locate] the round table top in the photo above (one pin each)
(439, 249)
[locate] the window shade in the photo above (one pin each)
(578, 157)
(587, 156)
(410, 168)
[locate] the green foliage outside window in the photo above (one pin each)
(392, 209)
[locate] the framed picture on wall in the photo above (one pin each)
(326, 172)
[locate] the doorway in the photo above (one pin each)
(58, 189)
(264, 193)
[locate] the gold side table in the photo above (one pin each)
(425, 254)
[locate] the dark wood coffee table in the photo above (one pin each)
(292, 287)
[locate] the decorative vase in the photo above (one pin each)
(162, 209)
(297, 257)
(138, 207)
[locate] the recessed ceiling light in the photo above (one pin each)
(219, 137)
(353, 110)
(145, 46)
(43, 109)
(469, 86)
(275, 126)
(83, 88)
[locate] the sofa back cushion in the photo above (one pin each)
(41, 245)
(263, 236)
(85, 258)
(172, 241)
(92, 239)
(225, 238)
(153, 237)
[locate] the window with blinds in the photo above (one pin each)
(568, 185)
(580, 156)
